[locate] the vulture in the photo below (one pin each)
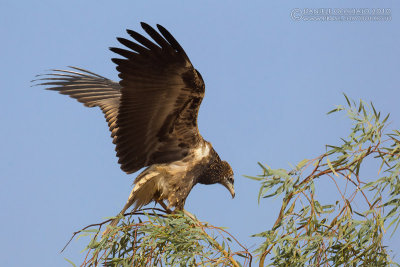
(152, 115)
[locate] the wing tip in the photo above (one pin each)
(160, 27)
(144, 25)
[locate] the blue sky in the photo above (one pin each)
(269, 82)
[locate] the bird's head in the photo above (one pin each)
(219, 172)
(227, 177)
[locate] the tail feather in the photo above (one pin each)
(142, 194)
(115, 221)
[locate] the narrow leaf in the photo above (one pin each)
(331, 167)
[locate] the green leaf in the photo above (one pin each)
(73, 264)
(338, 108)
(385, 119)
(360, 107)
(347, 100)
(90, 231)
(301, 164)
(312, 187)
(331, 167)
(375, 113)
(349, 205)
(280, 172)
(82, 235)
(262, 166)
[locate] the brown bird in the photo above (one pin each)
(152, 115)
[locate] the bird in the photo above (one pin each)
(152, 116)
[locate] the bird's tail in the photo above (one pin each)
(115, 221)
(142, 193)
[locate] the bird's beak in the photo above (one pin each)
(230, 187)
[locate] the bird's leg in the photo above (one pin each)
(179, 208)
(164, 206)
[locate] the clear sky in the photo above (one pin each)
(269, 82)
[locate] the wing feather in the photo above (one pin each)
(161, 96)
(152, 112)
(88, 88)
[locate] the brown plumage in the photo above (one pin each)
(152, 115)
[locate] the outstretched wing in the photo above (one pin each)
(88, 88)
(161, 96)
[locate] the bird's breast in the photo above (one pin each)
(173, 181)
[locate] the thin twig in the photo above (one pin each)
(139, 212)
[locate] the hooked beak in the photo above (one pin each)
(230, 187)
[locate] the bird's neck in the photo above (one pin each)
(210, 174)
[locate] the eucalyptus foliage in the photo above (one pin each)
(163, 240)
(349, 230)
